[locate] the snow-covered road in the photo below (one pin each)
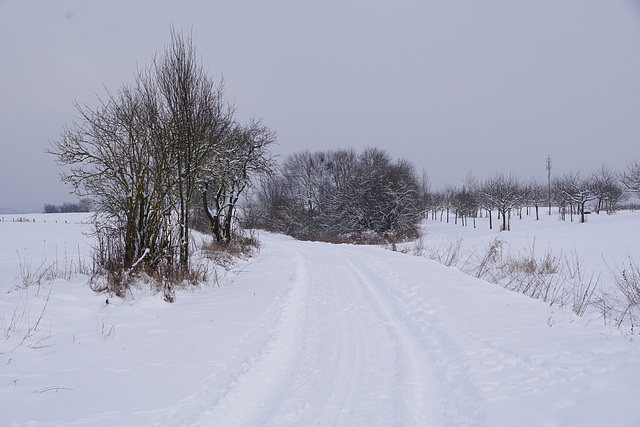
(342, 353)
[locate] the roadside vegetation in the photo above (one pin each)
(552, 274)
(156, 158)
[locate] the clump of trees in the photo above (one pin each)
(156, 154)
(83, 205)
(341, 196)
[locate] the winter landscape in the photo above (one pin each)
(307, 333)
(319, 213)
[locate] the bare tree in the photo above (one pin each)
(465, 205)
(574, 190)
(403, 207)
(504, 192)
(537, 194)
(447, 198)
(385, 193)
(471, 186)
(486, 203)
(196, 119)
(607, 189)
(110, 155)
(244, 159)
(631, 178)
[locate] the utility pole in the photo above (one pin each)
(549, 181)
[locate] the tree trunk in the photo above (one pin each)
(214, 220)
(227, 222)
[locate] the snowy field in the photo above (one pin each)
(313, 334)
(602, 244)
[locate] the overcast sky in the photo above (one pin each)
(454, 86)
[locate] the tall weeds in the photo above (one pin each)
(627, 280)
(45, 271)
(554, 277)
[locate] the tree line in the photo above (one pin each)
(573, 193)
(158, 155)
(83, 205)
(340, 195)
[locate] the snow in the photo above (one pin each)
(603, 244)
(314, 334)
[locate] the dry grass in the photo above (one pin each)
(553, 277)
(627, 280)
(23, 329)
(227, 254)
(369, 237)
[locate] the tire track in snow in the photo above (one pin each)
(256, 387)
(348, 374)
(346, 369)
(252, 392)
(461, 402)
(379, 372)
(419, 403)
(323, 389)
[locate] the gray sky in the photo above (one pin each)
(454, 86)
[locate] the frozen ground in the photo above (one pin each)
(603, 245)
(310, 334)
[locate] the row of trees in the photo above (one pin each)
(154, 155)
(83, 205)
(572, 192)
(339, 193)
